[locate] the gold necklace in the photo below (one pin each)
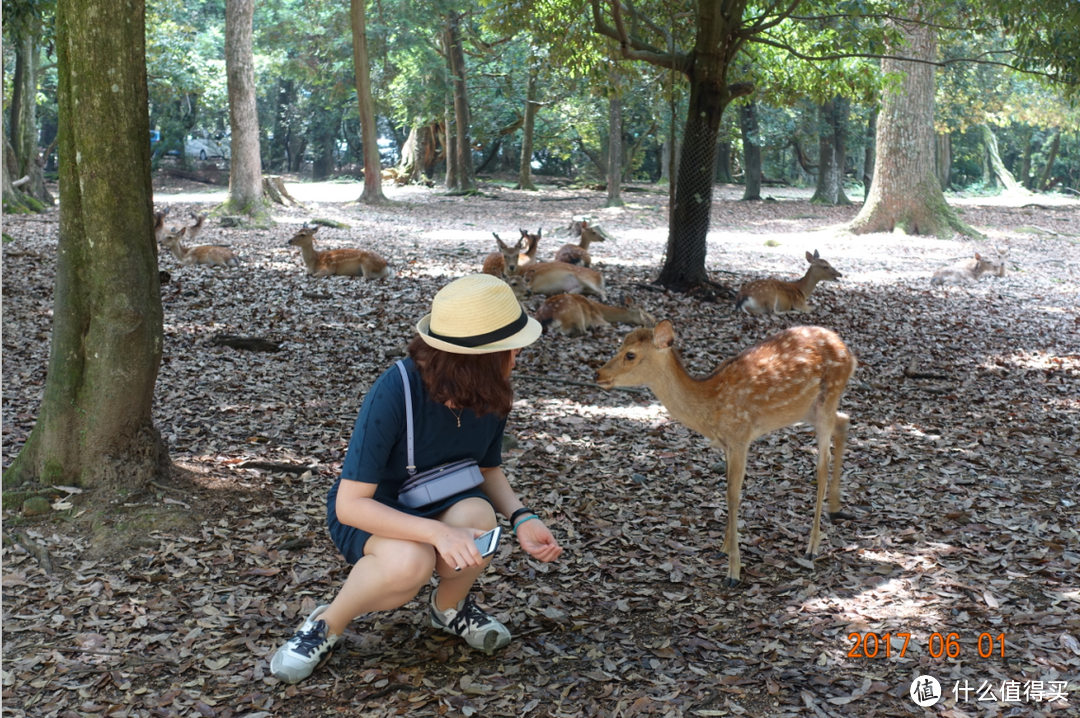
(457, 415)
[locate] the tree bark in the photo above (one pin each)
(279, 145)
(905, 193)
(996, 165)
(466, 175)
(245, 165)
(527, 132)
(832, 123)
(1051, 157)
(1025, 162)
(669, 156)
(94, 427)
(614, 158)
(25, 131)
(943, 159)
(748, 125)
(723, 162)
(450, 142)
(372, 193)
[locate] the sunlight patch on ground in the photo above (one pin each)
(645, 414)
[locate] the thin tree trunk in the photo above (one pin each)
(723, 162)
(95, 427)
(870, 156)
(451, 146)
(943, 158)
(245, 165)
(1048, 171)
(748, 125)
(905, 193)
(466, 175)
(614, 158)
(527, 131)
(24, 117)
(279, 145)
(832, 157)
(372, 193)
(669, 156)
(996, 165)
(1025, 162)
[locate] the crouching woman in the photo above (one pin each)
(459, 386)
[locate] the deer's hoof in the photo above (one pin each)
(810, 556)
(841, 516)
(731, 582)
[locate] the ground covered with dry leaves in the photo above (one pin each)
(962, 470)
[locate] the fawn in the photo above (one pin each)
(211, 254)
(774, 296)
(505, 261)
(559, 277)
(796, 375)
(579, 253)
(346, 262)
(969, 270)
(573, 314)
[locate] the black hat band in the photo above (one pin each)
(480, 339)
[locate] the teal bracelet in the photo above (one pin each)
(530, 517)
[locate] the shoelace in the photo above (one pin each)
(308, 641)
(470, 613)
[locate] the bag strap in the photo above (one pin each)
(411, 467)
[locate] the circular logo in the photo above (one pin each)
(925, 691)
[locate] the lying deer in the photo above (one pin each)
(531, 242)
(505, 261)
(774, 296)
(579, 253)
(345, 262)
(969, 270)
(796, 375)
(559, 277)
(212, 254)
(573, 314)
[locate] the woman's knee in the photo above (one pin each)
(472, 512)
(407, 565)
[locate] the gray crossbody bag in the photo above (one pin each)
(441, 482)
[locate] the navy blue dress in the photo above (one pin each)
(377, 454)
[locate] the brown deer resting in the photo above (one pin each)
(969, 270)
(579, 253)
(344, 262)
(573, 314)
(504, 263)
(774, 296)
(212, 254)
(531, 242)
(796, 375)
(552, 278)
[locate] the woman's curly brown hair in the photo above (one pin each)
(469, 381)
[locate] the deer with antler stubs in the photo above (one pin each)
(796, 375)
(344, 262)
(775, 296)
(211, 254)
(504, 262)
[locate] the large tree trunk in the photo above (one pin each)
(245, 165)
(527, 131)
(614, 158)
(94, 427)
(832, 124)
(905, 193)
(466, 175)
(748, 126)
(943, 159)
(372, 193)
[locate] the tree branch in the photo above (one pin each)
(760, 24)
(634, 48)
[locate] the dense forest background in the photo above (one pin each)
(992, 124)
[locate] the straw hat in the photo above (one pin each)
(477, 314)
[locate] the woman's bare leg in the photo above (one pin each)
(455, 585)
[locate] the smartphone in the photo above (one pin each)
(488, 542)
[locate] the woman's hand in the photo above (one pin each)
(457, 545)
(536, 539)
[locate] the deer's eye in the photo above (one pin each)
(630, 356)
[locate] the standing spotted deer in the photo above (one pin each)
(775, 296)
(344, 262)
(796, 375)
(573, 314)
(212, 254)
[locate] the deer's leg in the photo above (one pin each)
(824, 432)
(736, 470)
(839, 435)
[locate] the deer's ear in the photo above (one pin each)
(664, 335)
(810, 257)
(540, 233)
(978, 257)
